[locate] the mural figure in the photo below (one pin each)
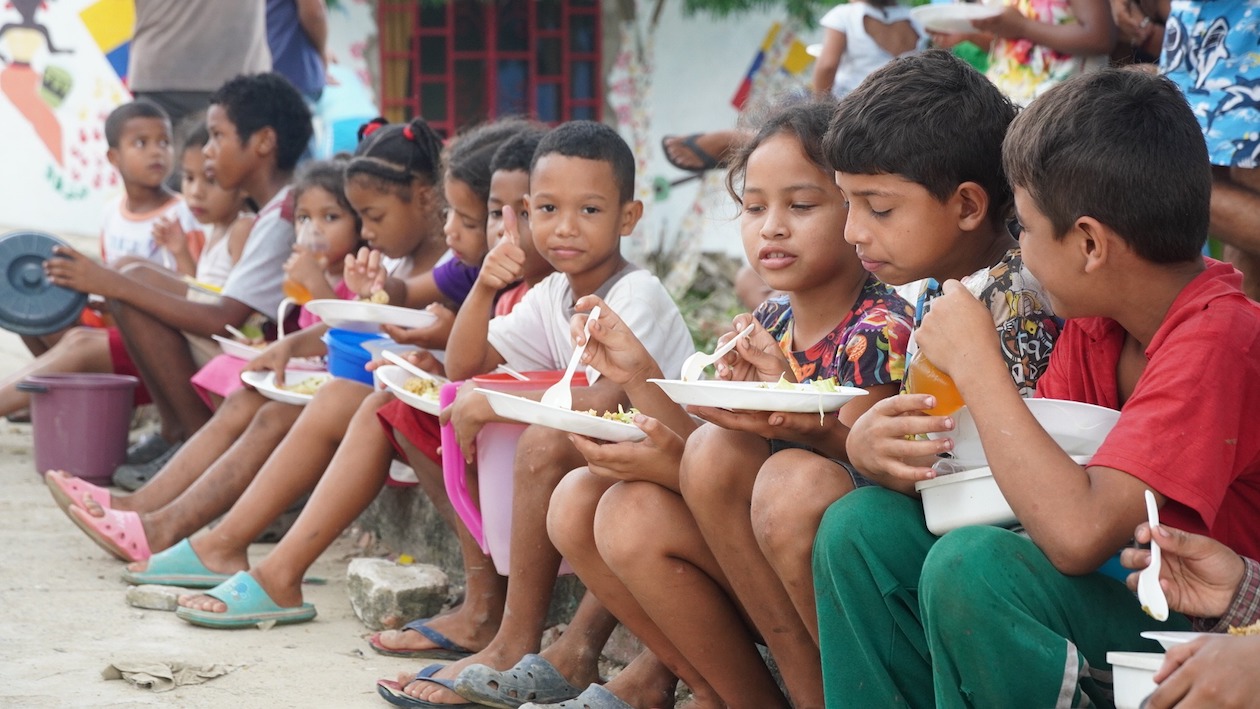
(34, 95)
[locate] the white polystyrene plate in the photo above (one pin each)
(240, 350)
(362, 316)
(756, 396)
(953, 18)
(1078, 428)
(536, 412)
(265, 383)
(395, 379)
(1171, 638)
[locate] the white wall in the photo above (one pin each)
(698, 63)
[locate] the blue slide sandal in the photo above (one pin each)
(247, 606)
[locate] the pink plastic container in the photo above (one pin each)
(80, 422)
(490, 523)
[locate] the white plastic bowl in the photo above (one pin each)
(963, 499)
(966, 498)
(1133, 674)
(1078, 428)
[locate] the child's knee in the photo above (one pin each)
(571, 515)
(628, 521)
(985, 561)
(273, 420)
(712, 458)
(790, 495)
(544, 455)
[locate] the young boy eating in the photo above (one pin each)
(1112, 186)
(580, 203)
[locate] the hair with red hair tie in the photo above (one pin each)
(408, 133)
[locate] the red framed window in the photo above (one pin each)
(464, 61)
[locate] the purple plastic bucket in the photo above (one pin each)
(80, 422)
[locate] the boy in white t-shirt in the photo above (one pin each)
(259, 126)
(580, 205)
(140, 148)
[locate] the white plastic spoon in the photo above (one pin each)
(1150, 595)
(694, 365)
(560, 394)
(413, 370)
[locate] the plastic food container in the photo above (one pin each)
(1133, 674)
(490, 522)
(962, 499)
(347, 355)
(966, 498)
(80, 422)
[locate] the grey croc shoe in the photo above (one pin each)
(533, 679)
(133, 477)
(146, 449)
(593, 697)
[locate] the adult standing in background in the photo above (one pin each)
(183, 50)
(297, 33)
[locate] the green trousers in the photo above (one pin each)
(976, 618)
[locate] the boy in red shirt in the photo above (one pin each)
(1112, 186)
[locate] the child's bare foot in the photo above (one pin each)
(647, 684)
(461, 627)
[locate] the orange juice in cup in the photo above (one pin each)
(296, 292)
(922, 377)
(313, 242)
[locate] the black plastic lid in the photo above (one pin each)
(29, 304)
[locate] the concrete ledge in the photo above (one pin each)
(406, 522)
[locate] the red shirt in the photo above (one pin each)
(1190, 430)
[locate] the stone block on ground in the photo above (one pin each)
(155, 597)
(386, 595)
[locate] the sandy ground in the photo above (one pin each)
(63, 617)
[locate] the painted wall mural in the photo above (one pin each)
(62, 70)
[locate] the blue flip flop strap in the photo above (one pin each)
(179, 559)
(421, 626)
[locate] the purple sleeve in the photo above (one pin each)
(455, 279)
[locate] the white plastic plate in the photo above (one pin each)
(240, 350)
(1171, 638)
(756, 396)
(1078, 428)
(395, 379)
(265, 383)
(536, 412)
(954, 18)
(362, 316)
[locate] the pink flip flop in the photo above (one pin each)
(68, 491)
(119, 532)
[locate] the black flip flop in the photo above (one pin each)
(692, 143)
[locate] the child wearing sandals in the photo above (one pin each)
(327, 446)
(203, 480)
(87, 349)
(580, 203)
(632, 524)
(415, 435)
(320, 207)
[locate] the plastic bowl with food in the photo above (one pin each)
(1078, 428)
(1133, 674)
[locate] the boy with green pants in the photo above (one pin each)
(1112, 187)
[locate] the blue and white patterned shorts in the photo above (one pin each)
(1212, 51)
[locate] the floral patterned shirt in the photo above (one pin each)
(865, 349)
(1024, 70)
